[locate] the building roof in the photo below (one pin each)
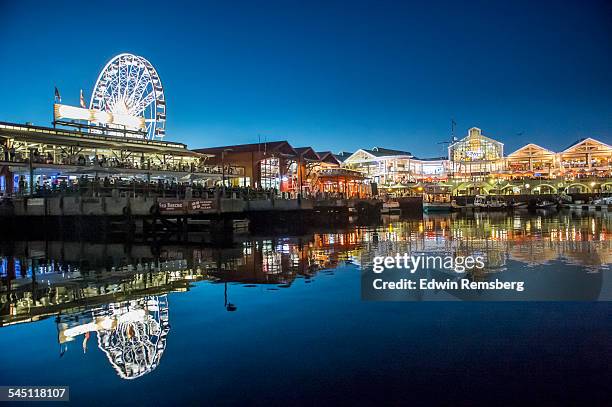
(365, 155)
(585, 139)
(328, 157)
(342, 155)
(532, 146)
(575, 143)
(60, 136)
(473, 132)
(281, 147)
(307, 153)
(383, 152)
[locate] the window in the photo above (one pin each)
(270, 173)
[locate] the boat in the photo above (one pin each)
(545, 204)
(518, 205)
(480, 202)
(456, 206)
(391, 208)
(492, 203)
(564, 199)
(436, 199)
(603, 201)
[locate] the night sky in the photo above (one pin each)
(334, 75)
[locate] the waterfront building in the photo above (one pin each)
(587, 155)
(292, 171)
(530, 160)
(585, 166)
(265, 165)
(396, 169)
(35, 156)
(476, 165)
(476, 156)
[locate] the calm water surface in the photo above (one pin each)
(279, 320)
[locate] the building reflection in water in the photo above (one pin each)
(119, 293)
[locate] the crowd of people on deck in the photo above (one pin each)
(97, 186)
(9, 154)
(104, 186)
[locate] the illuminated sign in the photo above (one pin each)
(98, 116)
(201, 204)
(475, 154)
(171, 205)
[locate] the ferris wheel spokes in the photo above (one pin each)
(130, 85)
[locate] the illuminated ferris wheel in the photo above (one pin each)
(129, 86)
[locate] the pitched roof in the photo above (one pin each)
(582, 140)
(533, 145)
(575, 143)
(343, 155)
(307, 153)
(328, 157)
(479, 134)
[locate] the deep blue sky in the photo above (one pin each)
(334, 75)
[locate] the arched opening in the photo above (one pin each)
(577, 188)
(606, 187)
(544, 189)
(510, 190)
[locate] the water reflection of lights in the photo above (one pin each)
(132, 334)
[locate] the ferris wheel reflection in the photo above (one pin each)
(132, 334)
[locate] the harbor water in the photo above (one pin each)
(280, 318)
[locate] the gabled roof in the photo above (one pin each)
(328, 157)
(469, 135)
(531, 146)
(376, 152)
(360, 152)
(307, 153)
(585, 140)
(343, 155)
(281, 147)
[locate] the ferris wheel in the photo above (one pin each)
(130, 85)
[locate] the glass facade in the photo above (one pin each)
(476, 155)
(270, 173)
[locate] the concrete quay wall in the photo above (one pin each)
(145, 206)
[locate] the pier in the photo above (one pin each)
(143, 217)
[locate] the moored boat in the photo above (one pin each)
(492, 203)
(603, 201)
(545, 204)
(436, 199)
